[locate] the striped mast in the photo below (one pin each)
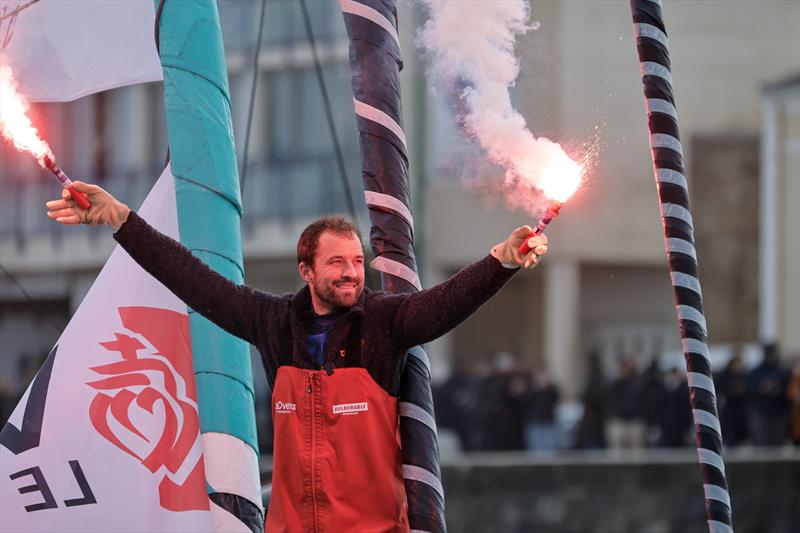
(203, 159)
(667, 152)
(375, 62)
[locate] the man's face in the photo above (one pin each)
(336, 278)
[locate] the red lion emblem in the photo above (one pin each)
(160, 382)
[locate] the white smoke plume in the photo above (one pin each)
(472, 43)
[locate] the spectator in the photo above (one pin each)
(793, 395)
(541, 432)
(732, 398)
(653, 393)
(500, 405)
(456, 403)
(591, 430)
(674, 412)
(766, 388)
(626, 428)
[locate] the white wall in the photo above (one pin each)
(580, 83)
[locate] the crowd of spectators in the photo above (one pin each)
(503, 405)
(760, 406)
(500, 404)
(497, 405)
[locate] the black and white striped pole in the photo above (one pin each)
(667, 153)
(375, 62)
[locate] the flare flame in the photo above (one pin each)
(472, 45)
(14, 122)
(561, 178)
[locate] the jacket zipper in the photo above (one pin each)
(313, 451)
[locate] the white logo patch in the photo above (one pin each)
(285, 407)
(350, 408)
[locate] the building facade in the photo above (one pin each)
(604, 287)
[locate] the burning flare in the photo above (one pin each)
(14, 122)
(551, 171)
(16, 126)
(561, 178)
(471, 44)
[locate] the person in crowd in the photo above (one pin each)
(731, 386)
(766, 389)
(541, 430)
(674, 410)
(591, 432)
(793, 396)
(456, 402)
(626, 427)
(501, 404)
(652, 388)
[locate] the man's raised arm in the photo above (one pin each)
(428, 314)
(235, 308)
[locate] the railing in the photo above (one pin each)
(283, 24)
(22, 203)
(279, 190)
(284, 189)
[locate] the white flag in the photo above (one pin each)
(62, 50)
(107, 437)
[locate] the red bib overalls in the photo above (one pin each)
(337, 465)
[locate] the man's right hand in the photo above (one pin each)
(105, 209)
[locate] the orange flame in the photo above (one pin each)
(14, 122)
(561, 178)
(544, 165)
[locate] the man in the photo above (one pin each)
(333, 353)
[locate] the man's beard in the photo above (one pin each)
(330, 298)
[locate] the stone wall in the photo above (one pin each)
(643, 492)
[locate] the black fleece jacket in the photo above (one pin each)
(374, 334)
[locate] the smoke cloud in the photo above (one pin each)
(471, 44)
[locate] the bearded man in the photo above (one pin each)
(333, 353)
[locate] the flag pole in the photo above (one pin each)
(203, 158)
(673, 191)
(375, 60)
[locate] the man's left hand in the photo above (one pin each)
(507, 252)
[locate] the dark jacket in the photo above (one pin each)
(374, 334)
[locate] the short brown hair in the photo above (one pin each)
(309, 239)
